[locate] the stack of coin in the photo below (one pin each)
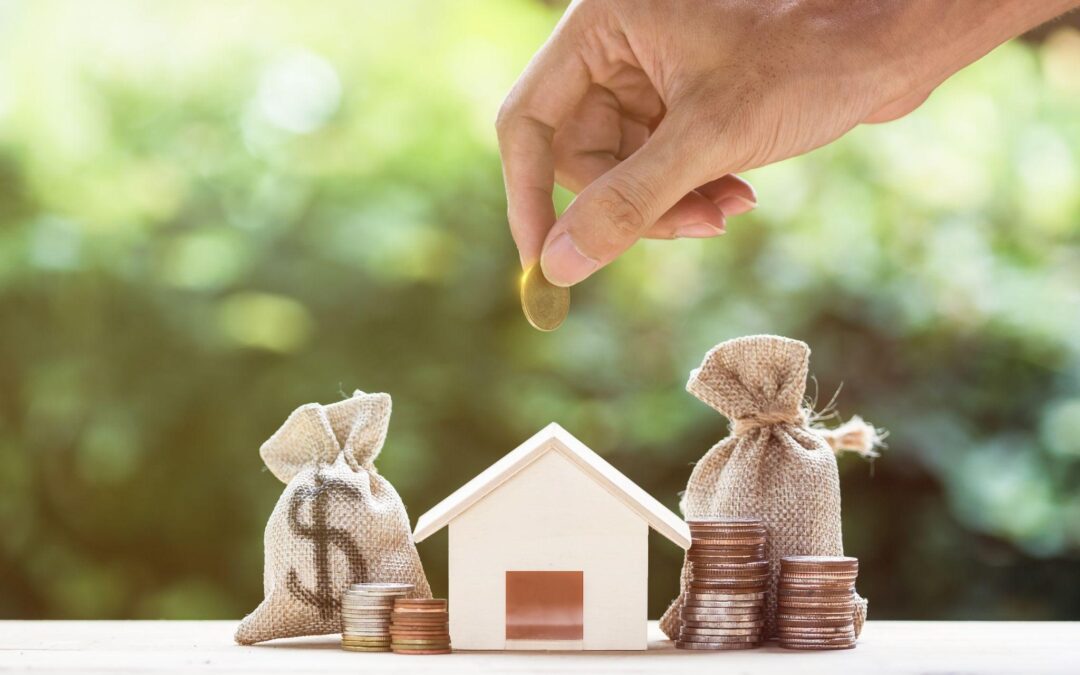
(724, 605)
(420, 627)
(816, 602)
(365, 616)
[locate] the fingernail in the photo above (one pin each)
(735, 205)
(564, 264)
(697, 231)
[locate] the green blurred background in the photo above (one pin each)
(212, 212)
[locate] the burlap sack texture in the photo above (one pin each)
(338, 521)
(773, 466)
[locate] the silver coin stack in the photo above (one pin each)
(365, 616)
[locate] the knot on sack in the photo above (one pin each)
(856, 435)
(768, 418)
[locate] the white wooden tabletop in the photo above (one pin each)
(207, 646)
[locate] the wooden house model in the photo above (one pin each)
(548, 550)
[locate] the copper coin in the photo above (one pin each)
(720, 596)
(812, 593)
(818, 639)
(840, 639)
(408, 617)
(720, 581)
(707, 578)
(725, 586)
(723, 571)
(720, 638)
(705, 620)
(817, 628)
(715, 646)
(711, 573)
(838, 590)
(429, 625)
(815, 608)
(439, 603)
(707, 555)
(694, 601)
(788, 615)
(787, 570)
(827, 560)
(713, 621)
(817, 579)
(720, 627)
(720, 622)
(350, 648)
(824, 571)
(815, 635)
(718, 540)
(833, 604)
(745, 620)
(753, 567)
(708, 615)
(704, 577)
(698, 546)
(815, 647)
(794, 625)
(722, 631)
(359, 639)
(420, 640)
(722, 560)
(422, 652)
(755, 608)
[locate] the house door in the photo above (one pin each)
(544, 605)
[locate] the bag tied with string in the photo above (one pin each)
(774, 465)
(337, 523)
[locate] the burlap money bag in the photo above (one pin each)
(773, 466)
(338, 521)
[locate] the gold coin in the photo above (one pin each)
(545, 305)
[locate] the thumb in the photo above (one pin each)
(619, 207)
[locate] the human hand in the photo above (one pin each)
(648, 108)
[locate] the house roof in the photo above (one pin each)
(553, 438)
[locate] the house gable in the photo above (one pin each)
(553, 438)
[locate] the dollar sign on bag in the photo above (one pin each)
(323, 536)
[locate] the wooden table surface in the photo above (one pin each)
(207, 646)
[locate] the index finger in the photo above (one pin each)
(546, 93)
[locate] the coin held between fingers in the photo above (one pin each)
(544, 304)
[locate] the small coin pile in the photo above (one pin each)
(816, 602)
(420, 627)
(545, 305)
(724, 604)
(365, 615)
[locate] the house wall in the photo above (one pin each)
(549, 516)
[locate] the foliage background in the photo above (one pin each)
(212, 212)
